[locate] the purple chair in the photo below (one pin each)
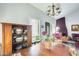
(58, 35)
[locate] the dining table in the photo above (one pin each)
(40, 50)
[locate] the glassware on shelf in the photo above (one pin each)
(25, 31)
(25, 38)
(19, 31)
(19, 39)
(14, 37)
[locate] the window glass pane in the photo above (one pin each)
(35, 29)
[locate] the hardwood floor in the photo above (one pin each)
(39, 50)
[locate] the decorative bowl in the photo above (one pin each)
(19, 31)
(19, 39)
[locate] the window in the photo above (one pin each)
(35, 29)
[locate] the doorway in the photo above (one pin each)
(47, 27)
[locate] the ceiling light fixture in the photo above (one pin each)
(54, 9)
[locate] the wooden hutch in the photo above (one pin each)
(13, 40)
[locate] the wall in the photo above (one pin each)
(20, 13)
(71, 19)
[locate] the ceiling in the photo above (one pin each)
(67, 8)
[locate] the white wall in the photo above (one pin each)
(18, 13)
(71, 19)
(21, 13)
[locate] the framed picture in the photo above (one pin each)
(75, 27)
